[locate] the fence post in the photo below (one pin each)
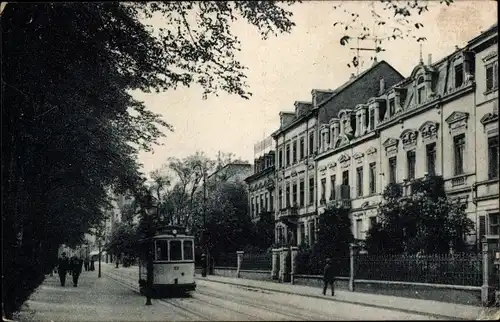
(294, 250)
(239, 255)
(487, 289)
(353, 253)
(275, 258)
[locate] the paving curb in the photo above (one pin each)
(435, 315)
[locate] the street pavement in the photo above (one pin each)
(115, 297)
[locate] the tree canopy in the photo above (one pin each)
(72, 130)
(427, 220)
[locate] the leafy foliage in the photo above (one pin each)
(334, 236)
(426, 221)
(123, 240)
(228, 226)
(386, 20)
(71, 129)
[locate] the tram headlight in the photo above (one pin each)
(174, 232)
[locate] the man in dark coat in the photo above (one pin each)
(76, 267)
(87, 263)
(62, 268)
(328, 276)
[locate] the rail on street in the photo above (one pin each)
(115, 297)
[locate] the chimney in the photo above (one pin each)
(429, 59)
(352, 76)
(375, 61)
(382, 86)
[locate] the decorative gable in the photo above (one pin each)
(332, 165)
(358, 157)
(409, 139)
(457, 122)
(490, 123)
(429, 131)
(372, 150)
(344, 160)
(391, 146)
(341, 141)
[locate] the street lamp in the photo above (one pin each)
(203, 237)
(150, 211)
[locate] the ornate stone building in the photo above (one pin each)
(301, 137)
(347, 144)
(440, 120)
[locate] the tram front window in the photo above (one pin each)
(175, 250)
(161, 250)
(188, 250)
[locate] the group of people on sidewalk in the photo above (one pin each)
(72, 266)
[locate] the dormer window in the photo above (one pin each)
(392, 106)
(420, 95)
(371, 121)
(420, 90)
(459, 75)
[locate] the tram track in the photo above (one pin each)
(118, 278)
(269, 306)
(193, 297)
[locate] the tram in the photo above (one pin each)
(173, 261)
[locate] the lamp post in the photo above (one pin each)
(99, 248)
(203, 237)
(150, 211)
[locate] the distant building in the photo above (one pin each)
(232, 172)
(261, 186)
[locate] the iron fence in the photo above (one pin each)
(262, 261)
(457, 269)
(312, 265)
(226, 260)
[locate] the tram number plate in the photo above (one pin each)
(176, 268)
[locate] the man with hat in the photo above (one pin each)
(328, 276)
(62, 268)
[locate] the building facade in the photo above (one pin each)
(261, 186)
(429, 123)
(299, 140)
(348, 144)
(485, 187)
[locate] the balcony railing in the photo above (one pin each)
(288, 212)
(343, 195)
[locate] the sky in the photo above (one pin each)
(284, 69)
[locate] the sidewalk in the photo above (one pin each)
(95, 299)
(434, 308)
(408, 305)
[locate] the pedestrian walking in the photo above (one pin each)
(86, 263)
(62, 268)
(328, 276)
(76, 267)
(92, 266)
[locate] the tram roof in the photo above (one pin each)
(170, 232)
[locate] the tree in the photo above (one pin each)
(67, 72)
(228, 226)
(334, 235)
(385, 20)
(123, 240)
(427, 220)
(264, 231)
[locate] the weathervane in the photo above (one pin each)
(376, 49)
